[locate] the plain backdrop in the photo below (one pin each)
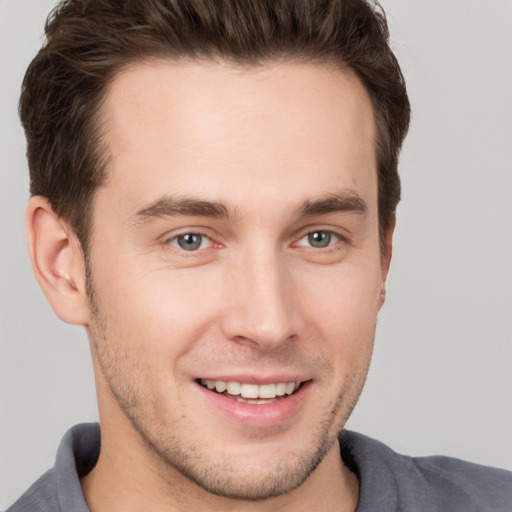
(441, 377)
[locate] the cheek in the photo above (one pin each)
(348, 298)
(342, 310)
(158, 310)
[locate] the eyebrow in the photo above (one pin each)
(347, 201)
(169, 206)
(173, 207)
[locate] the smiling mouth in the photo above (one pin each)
(251, 393)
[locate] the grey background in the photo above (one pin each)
(441, 378)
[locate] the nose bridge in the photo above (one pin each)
(262, 307)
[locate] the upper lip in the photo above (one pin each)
(260, 380)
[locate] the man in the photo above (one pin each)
(214, 189)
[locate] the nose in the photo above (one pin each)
(262, 308)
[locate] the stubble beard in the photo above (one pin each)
(224, 479)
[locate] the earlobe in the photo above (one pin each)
(57, 261)
(385, 257)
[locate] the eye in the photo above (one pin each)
(320, 239)
(190, 241)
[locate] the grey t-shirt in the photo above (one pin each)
(389, 482)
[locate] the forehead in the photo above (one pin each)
(213, 127)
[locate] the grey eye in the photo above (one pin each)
(189, 241)
(320, 239)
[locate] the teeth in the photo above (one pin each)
(252, 391)
(220, 386)
(234, 388)
(267, 391)
(290, 388)
(257, 401)
(281, 389)
(249, 391)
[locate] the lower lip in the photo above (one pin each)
(257, 415)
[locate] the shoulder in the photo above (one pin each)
(390, 481)
(40, 497)
(59, 490)
(483, 484)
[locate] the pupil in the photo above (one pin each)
(189, 242)
(319, 239)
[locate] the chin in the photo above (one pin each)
(254, 480)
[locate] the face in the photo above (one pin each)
(236, 273)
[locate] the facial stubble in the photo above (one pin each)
(222, 478)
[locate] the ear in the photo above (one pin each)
(385, 257)
(57, 261)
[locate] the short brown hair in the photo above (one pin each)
(89, 41)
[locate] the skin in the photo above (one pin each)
(252, 160)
